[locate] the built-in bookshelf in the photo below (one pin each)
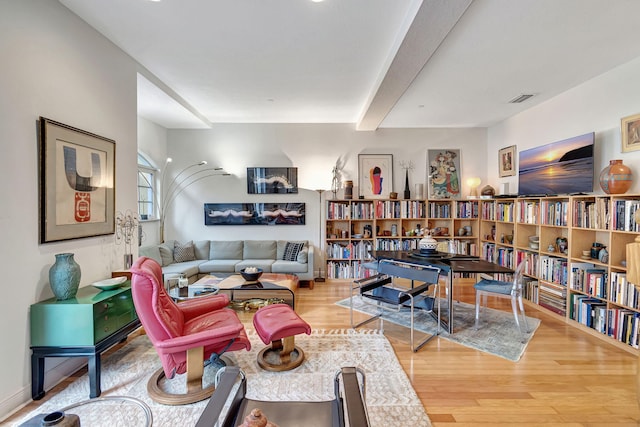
(356, 227)
(574, 250)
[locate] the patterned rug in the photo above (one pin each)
(391, 400)
(497, 333)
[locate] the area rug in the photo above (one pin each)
(497, 334)
(391, 400)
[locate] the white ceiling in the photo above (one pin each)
(374, 63)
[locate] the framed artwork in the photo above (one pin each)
(272, 180)
(443, 169)
(375, 175)
(76, 176)
(630, 127)
(254, 214)
(507, 161)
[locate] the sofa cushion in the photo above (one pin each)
(166, 252)
(291, 251)
(282, 244)
(183, 253)
(189, 268)
(201, 248)
(222, 249)
(303, 255)
(218, 266)
(259, 249)
(152, 252)
(264, 264)
(287, 267)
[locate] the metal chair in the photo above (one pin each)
(382, 292)
(347, 408)
(503, 289)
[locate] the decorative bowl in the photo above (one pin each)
(251, 277)
(109, 284)
(534, 239)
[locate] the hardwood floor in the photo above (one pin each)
(565, 378)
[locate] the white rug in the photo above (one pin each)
(391, 400)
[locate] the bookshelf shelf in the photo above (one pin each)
(591, 292)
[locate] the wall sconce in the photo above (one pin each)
(473, 184)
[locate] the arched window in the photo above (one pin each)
(146, 189)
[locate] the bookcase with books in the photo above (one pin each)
(356, 227)
(574, 248)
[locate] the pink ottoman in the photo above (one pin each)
(278, 324)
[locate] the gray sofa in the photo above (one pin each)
(198, 258)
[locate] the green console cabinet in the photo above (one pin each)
(85, 326)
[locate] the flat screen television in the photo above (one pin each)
(562, 167)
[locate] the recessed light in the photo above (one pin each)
(421, 106)
(317, 1)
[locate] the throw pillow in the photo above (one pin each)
(303, 256)
(182, 253)
(291, 251)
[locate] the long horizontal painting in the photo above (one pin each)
(254, 214)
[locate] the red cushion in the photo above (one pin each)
(278, 321)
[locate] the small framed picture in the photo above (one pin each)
(507, 161)
(375, 175)
(630, 127)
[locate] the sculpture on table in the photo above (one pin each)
(127, 224)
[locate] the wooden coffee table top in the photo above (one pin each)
(231, 281)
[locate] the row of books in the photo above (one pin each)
(591, 312)
(623, 292)
(623, 325)
(527, 212)
(336, 210)
(589, 279)
(439, 210)
(553, 269)
(591, 214)
(467, 209)
(499, 255)
(554, 213)
(362, 210)
(488, 211)
(531, 262)
(353, 250)
(623, 219)
(348, 270)
(393, 209)
(505, 212)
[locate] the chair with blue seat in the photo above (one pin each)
(504, 289)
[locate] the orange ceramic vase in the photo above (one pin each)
(616, 178)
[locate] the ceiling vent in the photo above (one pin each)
(520, 98)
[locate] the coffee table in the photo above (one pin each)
(270, 285)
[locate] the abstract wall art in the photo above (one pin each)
(254, 214)
(272, 180)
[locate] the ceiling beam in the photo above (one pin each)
(433, 21)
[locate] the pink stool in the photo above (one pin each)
(278, 324)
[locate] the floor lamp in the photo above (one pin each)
(320, 277)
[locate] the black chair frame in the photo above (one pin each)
(380, 289)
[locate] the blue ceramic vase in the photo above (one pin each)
(64, 276)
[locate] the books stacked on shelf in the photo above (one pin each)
(504, 257)
(467, 209)
(623, 325)
(591, 312)
(410, 244)
(340, 250)
(388, 245)
(553, 269)
(528, 212)
(337, 210)
(505, 212)
(592, 214)
(554, 212)
(463, 247)
(411, 209)
(439, 210)
(623, 218)
(387, 209)
(531, 262)
(361, 272)
(362, 249)
(530, 289)
(362, 210)
(488, 251)
(489, 211)
(589, 279)
(622, 292)
(339, 270)
(553, 296)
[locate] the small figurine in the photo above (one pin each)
(256, 419)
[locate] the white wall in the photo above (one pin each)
(595, 106)
(152, 143)
(55, 66)
(314, 150)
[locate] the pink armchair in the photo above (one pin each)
(184, 334)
